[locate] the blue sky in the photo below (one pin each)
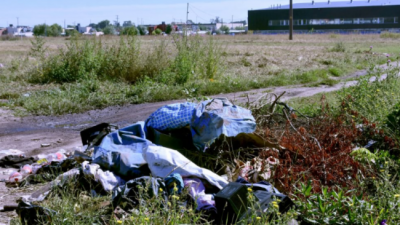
(32, 12)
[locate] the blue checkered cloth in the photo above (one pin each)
(171, 117)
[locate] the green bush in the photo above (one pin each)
(158, 31)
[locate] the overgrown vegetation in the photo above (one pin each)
(135, 69)
(327, 163)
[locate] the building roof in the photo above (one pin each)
(339, 4)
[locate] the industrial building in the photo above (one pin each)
(341, 16)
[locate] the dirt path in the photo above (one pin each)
(62, 132)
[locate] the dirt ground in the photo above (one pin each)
(27, 134)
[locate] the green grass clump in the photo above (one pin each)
(390, 35)
(335, 71)
(338, 47)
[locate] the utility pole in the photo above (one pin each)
(17, 22)
(187, 18)
(232, 23)
(64, 25)
(291, 20)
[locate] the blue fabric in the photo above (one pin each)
(121, 151)
(219, 116)
(171, 117)
(172, 179)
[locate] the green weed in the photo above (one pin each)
(338, 47)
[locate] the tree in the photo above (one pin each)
(45, 30)
(39, 30)
(168, 30)
(224, 29)
(130, 31)
(128, 24)
(93, 25)
(103, 24)
(54, 30)
(142, 30)
(109, 30)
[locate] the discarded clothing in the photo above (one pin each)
(262, 185)
(16, 161)
(266, 193)
(172, 181)
(198, 192)
(170, 117)
(31, 214)
(127, 196)
(219, 116)
(107, 179)
(163, 161)
(121, 151)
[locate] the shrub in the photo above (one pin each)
(158, 31)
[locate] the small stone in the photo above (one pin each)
(45, 145)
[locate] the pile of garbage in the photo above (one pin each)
(155, 154)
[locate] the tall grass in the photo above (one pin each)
(390, 35)
(125, 60)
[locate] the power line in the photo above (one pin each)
(203, 11)
(198, 15)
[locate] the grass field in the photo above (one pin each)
(323, 166)
(232, 64)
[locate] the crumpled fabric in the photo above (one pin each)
(219, 116)
(132, 193)
(172, 181)
(164, 161)
(107, 179)
(198, 192)
(172, 116)
(121, 151)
